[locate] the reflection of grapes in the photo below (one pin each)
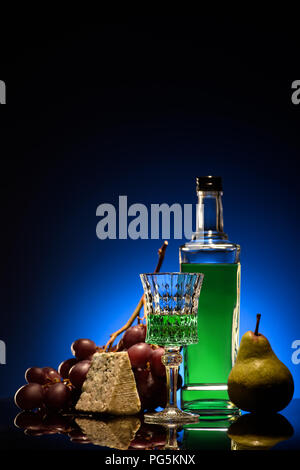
(77, 436)
(56, 422)
(28, 419)
(179, 382)
(148, 437)
(41, 423)
(38, 423)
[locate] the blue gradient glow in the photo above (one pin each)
(68, 284)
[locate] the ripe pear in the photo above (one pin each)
(254, 431)
(259, 381)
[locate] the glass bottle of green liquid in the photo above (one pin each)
(208, 363)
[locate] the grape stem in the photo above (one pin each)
(113, 336)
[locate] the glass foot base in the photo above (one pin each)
(171, 415)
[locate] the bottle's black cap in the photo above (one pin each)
(209, 183)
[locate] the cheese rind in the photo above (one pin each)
(110, 386)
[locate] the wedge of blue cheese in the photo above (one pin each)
(110, 386)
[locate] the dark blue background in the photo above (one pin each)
(140, 109)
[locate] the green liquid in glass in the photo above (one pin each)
(172, 330)
(208, 363)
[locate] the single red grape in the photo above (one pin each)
(83, 348)
(77, 374)
(139, 354)
(36, 375)
(52, 374)
(151, 389)
(141, 378)
(29, 397)
(134, 334)
(157, 367)
(57, 396)
(65, 366)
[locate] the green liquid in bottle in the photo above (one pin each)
(208, 363)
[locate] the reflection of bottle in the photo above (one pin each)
(208, 363)
(207, 435)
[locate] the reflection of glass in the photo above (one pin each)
(171, 437)
(172, 309)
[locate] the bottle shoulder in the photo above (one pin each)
(204, 251)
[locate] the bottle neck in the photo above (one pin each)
(209, 220)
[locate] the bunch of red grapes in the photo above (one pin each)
(149, 371)
(52, 389)
(49, 389)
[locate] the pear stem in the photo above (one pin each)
(258, 316)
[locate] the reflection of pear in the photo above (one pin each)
(110, 432)
(259, 432)
(259, 381)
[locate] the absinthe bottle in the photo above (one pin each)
(208, 363)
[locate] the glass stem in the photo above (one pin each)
(172, 359)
